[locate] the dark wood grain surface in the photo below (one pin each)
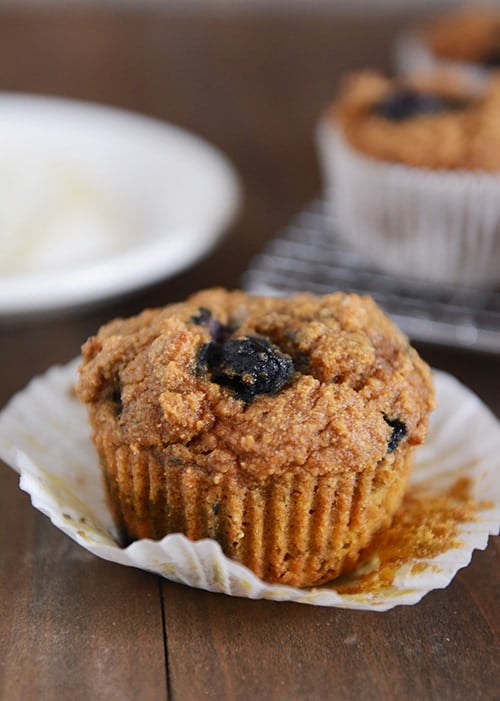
(76, 627)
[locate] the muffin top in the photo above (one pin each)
(470, 35)
(230, 382)
(440, 120)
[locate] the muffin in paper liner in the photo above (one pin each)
(283, 428)
(44, 435)
(438, 226)
(459, 38)
(413, 55)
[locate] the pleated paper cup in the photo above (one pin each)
(294, 528)
(45, 436)
(439, 226)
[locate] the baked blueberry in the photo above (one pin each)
(217, 330)
(407, 103)
(250, 366)
(116, 398)
(202, 317)
(399, 432)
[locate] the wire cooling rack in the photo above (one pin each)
(308, 256)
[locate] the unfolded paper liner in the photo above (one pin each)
(45, 436)
(433, 225)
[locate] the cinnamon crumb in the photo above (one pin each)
(424, 527)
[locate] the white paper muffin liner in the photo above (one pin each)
(433, 225)
(44, 435)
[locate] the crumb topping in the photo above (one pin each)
(424, 527)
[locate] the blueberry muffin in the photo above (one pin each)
(466, 39)
(412, 168)
(468, 35)
(283, 428)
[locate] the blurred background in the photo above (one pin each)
(251, 78)
(283, 4)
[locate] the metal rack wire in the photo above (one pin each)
(308, 256)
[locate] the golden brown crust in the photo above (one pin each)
(466, 138)
(276, 479)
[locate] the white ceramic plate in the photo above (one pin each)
(45, 436)
(96, 201)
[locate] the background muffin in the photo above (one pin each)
(282, 428)
(465, 38)
(412, 168)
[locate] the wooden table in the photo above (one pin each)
(76, 627)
